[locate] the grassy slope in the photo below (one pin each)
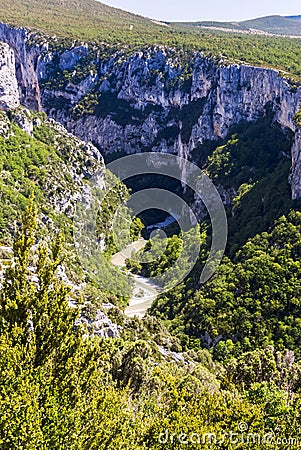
(85, 19)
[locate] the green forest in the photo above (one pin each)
(62, 390)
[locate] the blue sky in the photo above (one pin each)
(207, 10)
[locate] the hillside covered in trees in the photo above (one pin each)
(62, 388)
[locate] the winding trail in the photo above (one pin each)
(145, 291)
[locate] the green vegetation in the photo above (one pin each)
(168, 260)
(27, 164)
(208, 358)
(50, 164)
(298, 118)
(154, 263)
(45, 160)
(62, 391)
(276, 25)
(253, 300)
(253, 166)
(88, 20)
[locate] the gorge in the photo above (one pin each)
(150, 231)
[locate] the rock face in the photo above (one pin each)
(75, 161)
(9, 91)
(19, 85)
(152, 100)
(154, 108)
(71, 58)
(101, 325)
(295, 178)
(25, 64)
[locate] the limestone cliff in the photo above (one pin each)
(295, 178)
(156, 99)
(19, 84)
(9, 92)
(25, 64)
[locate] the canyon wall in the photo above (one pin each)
(154, 100)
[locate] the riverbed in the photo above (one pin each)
(144, 292)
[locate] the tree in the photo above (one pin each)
(54, 390)
(33, 300)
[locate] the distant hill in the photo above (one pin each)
(276, 25)
(294, 17)
(271, 24)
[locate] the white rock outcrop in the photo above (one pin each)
(9, 90)
(295, 178)
(26, 57)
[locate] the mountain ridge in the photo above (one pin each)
(72, 22)
(274, 24)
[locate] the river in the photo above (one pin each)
(144, 292)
